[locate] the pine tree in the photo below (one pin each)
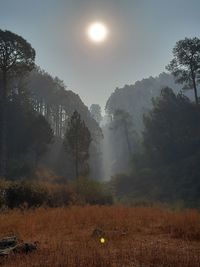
(185, 65)
(77, 142)
(16, 57)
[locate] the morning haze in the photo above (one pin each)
(138, 45)
(99, 133)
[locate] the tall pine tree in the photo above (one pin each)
(77, 142)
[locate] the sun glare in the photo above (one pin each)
(97, 32)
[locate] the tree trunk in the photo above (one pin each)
(3, 136)
(57, 120)
(127, 139)
(195, 87)
(76, 161)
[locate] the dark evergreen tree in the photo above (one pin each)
(171, 133)
(28, 137)
(77, 142)
(185, 65)
(16, 56)
(169, 168)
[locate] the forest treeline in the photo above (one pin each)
(47, 134)
(166, 166)
(55, 151)
(163, 136)
(38, 108)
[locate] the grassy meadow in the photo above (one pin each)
(134, 236)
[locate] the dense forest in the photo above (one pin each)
(35, 96)
(152, 133)
(146, 146)
(135, 100)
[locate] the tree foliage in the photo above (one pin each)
(25, 194)
(16, 54)
(171, 129)
(120, 142)
(172, 148)
(28, 137)
(16, 57)
(136, 99)
(167, 168)
(185, 65)
(77, 142)
(52, 99)
(90, 191)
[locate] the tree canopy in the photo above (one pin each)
(16, 54)
(185, 65)
(172, 128)
(16, 57)
(77, 141)
(167, 168)
(28, 137)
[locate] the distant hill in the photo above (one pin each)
(137, 98)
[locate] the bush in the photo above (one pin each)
(3, 187)
(37, 194)
(34, 193)
(22, 192)
(60, 195)
(92, 192)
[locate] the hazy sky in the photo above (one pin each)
(142, 34)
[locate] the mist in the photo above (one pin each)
(99, 133)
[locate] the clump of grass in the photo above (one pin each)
(183, 225)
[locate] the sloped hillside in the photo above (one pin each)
(137, 99)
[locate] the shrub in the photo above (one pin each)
(34, 193)
(37, 194)
(60, 195)
(3, 187)
(92, 192)
(18, 193)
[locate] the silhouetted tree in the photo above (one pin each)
(77, 141)
(28, 137)
(16, 56)
(170, 131)
(167, 168)
(171, 138)
(185, 65)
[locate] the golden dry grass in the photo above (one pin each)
(140, 237)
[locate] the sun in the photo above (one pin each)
(97, 32)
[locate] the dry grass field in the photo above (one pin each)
(140, 237)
